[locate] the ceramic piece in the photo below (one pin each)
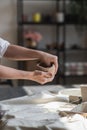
(44, 68)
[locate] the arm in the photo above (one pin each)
(15, 52)
(11, 73)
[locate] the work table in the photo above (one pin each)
(38, 110)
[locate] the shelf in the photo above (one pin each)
(72, 50)
(82, 49)
(75, 23)
(39, 0)
(52, 23)
(40, 23)
(74, 75)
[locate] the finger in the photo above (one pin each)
(48, 75)
(43, 74)
(44, 80)
(56, 66)
(50, 79)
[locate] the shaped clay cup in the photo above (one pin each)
(45, 68)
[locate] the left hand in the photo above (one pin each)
(49, 59)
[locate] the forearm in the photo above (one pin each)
(15, 52)
(20, 53)
(37, 76)
(11, 73)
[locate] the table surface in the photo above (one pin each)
(38, 110)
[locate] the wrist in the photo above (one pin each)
(27, 75)
(40, 54)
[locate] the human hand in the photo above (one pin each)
(41, 77)
(49, 59)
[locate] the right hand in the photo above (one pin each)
(41, 77)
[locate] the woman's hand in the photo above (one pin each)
(49, 59)
(41, 77)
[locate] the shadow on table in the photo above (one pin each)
(8, 92)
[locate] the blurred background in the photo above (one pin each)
(58, 27)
